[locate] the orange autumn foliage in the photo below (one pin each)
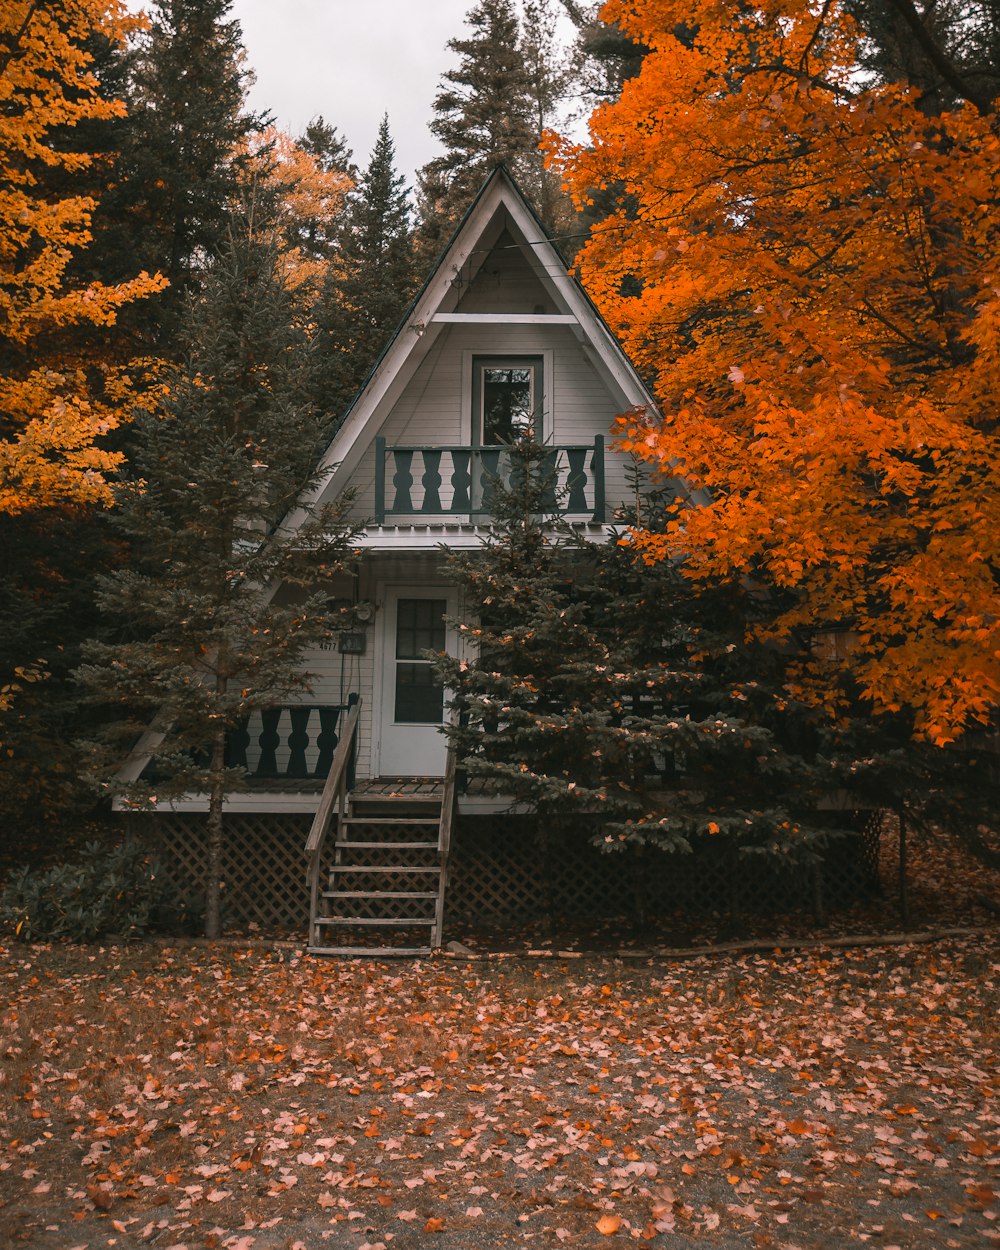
(309, 199)
(804, 261)
(57, 401)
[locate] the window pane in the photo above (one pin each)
(508, 403)
(419, 695)
(419, 627)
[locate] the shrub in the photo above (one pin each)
(108, 891)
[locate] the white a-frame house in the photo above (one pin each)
(500, 339)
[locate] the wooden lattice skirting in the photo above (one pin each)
(502, 872)
(263, 864)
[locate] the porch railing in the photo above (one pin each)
(294, 741)
(332, 805)
(445, 829)
(428, 483)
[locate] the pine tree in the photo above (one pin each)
(483, 117)
(328, 146)
(606, 57)
(176, 174)
(615, 697)
(47, 561)
(596, 689)
(550, 74)
(371, 280)
(203, 640)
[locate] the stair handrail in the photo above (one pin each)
(330, 801)
(444, 836)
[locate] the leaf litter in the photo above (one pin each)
(209, 1096)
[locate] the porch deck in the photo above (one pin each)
(398, 787)
(301, 795)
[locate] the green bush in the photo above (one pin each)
(109, 891)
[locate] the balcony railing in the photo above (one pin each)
(293, 741)
(428, 483)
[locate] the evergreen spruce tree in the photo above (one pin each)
(483, 117)
(175, 173)
(371, 280)
(606, 58)
(550, 74)
(203, 640)
(319, 239)
(605, 694)
(47, 562)
(328, 146)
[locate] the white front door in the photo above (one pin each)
(412, 701)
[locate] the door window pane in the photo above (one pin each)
(419, 695)
(420, 627)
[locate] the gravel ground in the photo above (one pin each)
(255, 1099)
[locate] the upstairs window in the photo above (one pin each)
(506, 399)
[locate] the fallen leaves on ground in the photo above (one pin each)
(219, 1097)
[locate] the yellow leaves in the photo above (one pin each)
(310, 198)
(49, 453)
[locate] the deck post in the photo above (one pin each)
(597, 472)
(379, 480)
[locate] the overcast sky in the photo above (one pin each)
(352, 62)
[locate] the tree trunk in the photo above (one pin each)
(904, 897)
(544, 845)
(818, 895)
(213, 874)
(640, 895)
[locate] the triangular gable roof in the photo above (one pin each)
(499, 205)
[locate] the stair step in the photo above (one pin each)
(394, 798)
(374, 920)
(390, 821)
(380, 893)
(383, 868)
(389, 846)
(370, 951)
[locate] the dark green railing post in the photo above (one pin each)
(379, 480)
(352, 763)
(597, 472)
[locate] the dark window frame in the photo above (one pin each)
(482, 362)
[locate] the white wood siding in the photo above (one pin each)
(505, 283)
(435, 409)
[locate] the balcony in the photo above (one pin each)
(415, 484)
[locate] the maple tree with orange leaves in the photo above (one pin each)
(307, 197)
(58, 401)
(803, 260)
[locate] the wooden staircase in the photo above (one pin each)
(378, 888)
(386, 879)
